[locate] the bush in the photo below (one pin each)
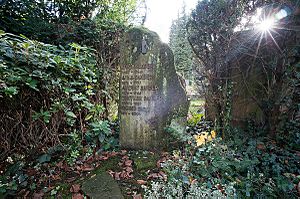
(46, 92)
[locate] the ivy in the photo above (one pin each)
(63, 81)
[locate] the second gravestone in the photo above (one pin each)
(152, 97)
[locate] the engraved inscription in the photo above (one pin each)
(137, 89)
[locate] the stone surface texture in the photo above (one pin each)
(152, 95)
(102, 186)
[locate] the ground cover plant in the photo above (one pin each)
(236, 167)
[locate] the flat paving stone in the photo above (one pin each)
(102, 186)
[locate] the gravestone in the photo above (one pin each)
(152, 96)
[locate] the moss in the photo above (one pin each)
(144, 161)
(110, 164)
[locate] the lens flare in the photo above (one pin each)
(266, 25)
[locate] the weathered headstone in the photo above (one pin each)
(152, 96)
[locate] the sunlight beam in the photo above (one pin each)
(266, 25)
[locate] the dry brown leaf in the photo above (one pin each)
(71, 179)
(123, 152)
(123, 175)
(75, 188)
(117, 176)
(141, 182)
(113, 153)
(128, 163)
(38, 195)
(60, 164)
(87, 168)
(138, 196)
(31, 172)
(153, 175)
(77, 196)
(125, 157)
(111, 173)
(90, 159)
(55, 177)
(129, 169)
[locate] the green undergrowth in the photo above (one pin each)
(240, 166)
(144, 161)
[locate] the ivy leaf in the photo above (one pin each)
(44, 158)
(32, 83)
(71, 114)
(101, 137)
(88, 117)
(11, 90)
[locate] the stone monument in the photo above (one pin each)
(152, 96)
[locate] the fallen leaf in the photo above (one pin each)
(90, 159)
(31, 172)
(141, 182)
(111, 173)
(26, 194)
(75, 188)
(55, 177)
(117, 176)
(163, 175)
(129, 169)
(71, 179)
(123, 152)
(124, 175)
(60, 164)
(138, 196)
(77, 196)
(125, 157)
(113, 153)
(38, 195)
(87, 168)
(128, 162)
(153, 175)
(103, 158)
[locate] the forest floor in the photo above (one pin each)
(56, 179)
(254, 165)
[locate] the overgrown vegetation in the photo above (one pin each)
(238, 59)
(261, 159)
(59, 89)
(239, 167)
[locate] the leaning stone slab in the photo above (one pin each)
(102, 186)
(152, 96)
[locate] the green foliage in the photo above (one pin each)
(100, 133)
(289, 118)
(240, 167)
(183, 54)
(195, 119)
(95, 23)
(210, 30)
(63, 82)
(51, 21)
(225, 45)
